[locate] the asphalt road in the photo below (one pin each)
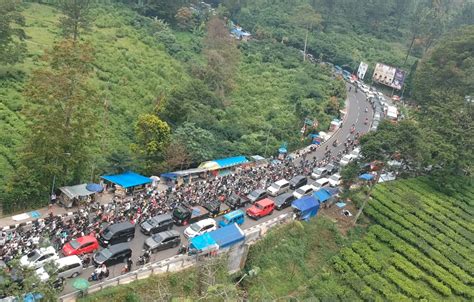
(355, 115)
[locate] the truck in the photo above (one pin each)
(185, 214)
(236, 201)
(219, 239)
(217, 208)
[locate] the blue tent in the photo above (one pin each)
(127, 179)
(169, 175)
(282, 150)
(220, 238)
(322, 195)
(366, 176)
(306, 207)
(231, 161)
(203, 242)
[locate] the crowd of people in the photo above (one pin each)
(56, 231)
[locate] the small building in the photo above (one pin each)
(72, 195)
(223, 166)
(126, 183)
(238, 33)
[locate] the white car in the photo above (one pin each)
(364, 89)
(320, 183)
(302, 191)
(355, 153)
(37, 258)
(335, 180)
(345, 160)
(66, 267)
(278, 187)
(200, 227)
(319, 172)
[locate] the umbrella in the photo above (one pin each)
(94, 188)
(282, 150)
(80, 284)
(366, 176)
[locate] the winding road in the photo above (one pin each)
(356, 104)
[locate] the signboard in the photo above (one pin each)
(389, 76)
(362, 70)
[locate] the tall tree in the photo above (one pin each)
(12, 47)
(222, 56)
(75, 19)
(152, 135)
(307, 18)
(61, 114)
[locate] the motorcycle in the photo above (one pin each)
(182, 250)
(144, 259)
(366, 121)
(97, 277)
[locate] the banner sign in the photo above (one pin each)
(362, 70)
(389, 76)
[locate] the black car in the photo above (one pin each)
(257, 195)
(236, 201)
(298, 181)
(116, 233)
(216, 208)
(162, 241)
(114, 254)
(157, 224)
(284, 201)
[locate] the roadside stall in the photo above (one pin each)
(126, 183)
(305, 207)
(72, 195)
(223, 166)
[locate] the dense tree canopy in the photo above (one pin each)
(12, 47)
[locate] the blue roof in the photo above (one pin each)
(228, 235)
(322, 195)
(127, 179)
(231, 161)
(366, 176)
(169, 175)
(233, 214)
(202, 242)
(305, 203)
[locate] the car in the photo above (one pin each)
(200, 227)
(81, 245)
(335, 180)
(320, 183)
(284, 201)
(261, 208)
(236, 201)
(38, 257)
(66, 267)
(156, 224)
(332, 168)
(355, 153)
(162, 241)
(365, 89)
(116, 233)
(298, 181)
(278, 187)
(114, 254)
(345, 160)
(319, 172)
(303, 191)
(236, 216)
(257, 195)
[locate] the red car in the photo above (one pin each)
(261, 208)
(82, 245)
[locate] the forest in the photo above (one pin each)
(166, 88)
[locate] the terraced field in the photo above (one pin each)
(419, 247)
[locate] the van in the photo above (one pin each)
(298, 181)
(237, 216)
(303, 191)
(157, 224)
(278, 187)
(319, 172)
(116, 233)
(320, 183)
(114, 254)
(66, 267)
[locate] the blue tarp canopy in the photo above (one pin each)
(169, 175)
(282, 150)
(127, 179)
(366, 176)
(203, 242)
(322, 195)
(306, 207)
(231, 161)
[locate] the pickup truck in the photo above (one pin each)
(236, 201)
(184, 214)
(216, 208)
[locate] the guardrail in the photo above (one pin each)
(178, 262)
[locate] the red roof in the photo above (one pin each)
(265, 202)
